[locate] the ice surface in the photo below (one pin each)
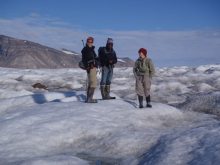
(56, 126)
(45, 127)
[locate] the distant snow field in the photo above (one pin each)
(120, 60)
(54, 126)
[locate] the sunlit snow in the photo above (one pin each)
(54, 126)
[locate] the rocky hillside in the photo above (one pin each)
(16, 53)
(23, 54)
(124, 62)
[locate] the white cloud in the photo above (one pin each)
(165, 48)
(34, 15)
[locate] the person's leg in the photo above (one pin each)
(139, 90)
(92, 85)
(108, 83)
(103, 82)
(104, 75)
(147, 86)
(109, 75)
(140, 99)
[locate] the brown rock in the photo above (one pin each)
(39, 85)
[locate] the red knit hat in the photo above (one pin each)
(90, 39)
(144, 51)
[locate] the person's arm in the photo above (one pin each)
(115, 60)
(85, 60)
(134, 70)
(151, 69)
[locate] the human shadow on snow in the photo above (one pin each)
(131, 102)
(41, 99)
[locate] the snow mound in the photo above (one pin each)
(203, 87)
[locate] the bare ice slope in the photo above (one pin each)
(59, 128)
(53, 126)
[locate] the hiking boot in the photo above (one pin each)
(148, 102)
(90, 93)
(102, 88)
(107, 92)
(140, 98)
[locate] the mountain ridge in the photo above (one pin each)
(24, 54)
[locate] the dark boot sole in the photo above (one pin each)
(91, 102)
(109, 98)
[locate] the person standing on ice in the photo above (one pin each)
(108, 58)
(143, 72)
(90, 61)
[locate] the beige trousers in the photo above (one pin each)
(143, 84)
(92, 78)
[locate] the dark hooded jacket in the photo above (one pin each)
(89, 57)
(105, 56)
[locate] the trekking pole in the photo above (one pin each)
(83, 43)
(86, 86)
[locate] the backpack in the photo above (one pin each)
(100, 49)
(81, 65)
(99, 54)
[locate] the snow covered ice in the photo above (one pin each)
(55, 126)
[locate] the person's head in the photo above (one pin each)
(142, 53)
(89, 41)
(110, 42)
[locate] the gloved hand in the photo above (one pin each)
(88, 70)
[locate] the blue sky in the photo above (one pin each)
(175, 32)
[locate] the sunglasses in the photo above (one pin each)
(90, 42)
(110, 43)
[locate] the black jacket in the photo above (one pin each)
(89, 56)
(105, 55)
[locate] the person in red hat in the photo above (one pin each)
(143, 72)
(90, 61)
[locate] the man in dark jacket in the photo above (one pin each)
(108, 58)
(90, 60)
